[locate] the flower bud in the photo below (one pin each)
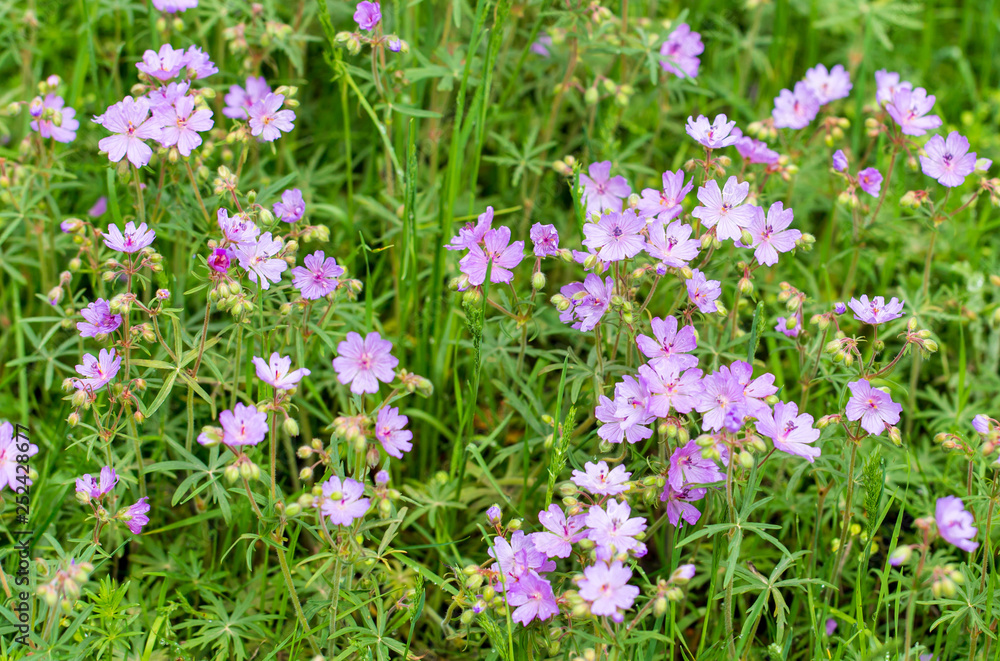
(895, 436)
(290, 426)
(538, 280)
(232, 473)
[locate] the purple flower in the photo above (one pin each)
(129, 120)
(174, 6)
(831, 626)
(382, 478)
(135, 515)
(606, 587)
(671, 347)
(97, 372)
(754, 390)
(267, 121)
(367, 15)
(319, 276)
(689, 466)
(495, 250)
(99, 208)
(670, 387)
(545, 240)
(680, 52)
(219, 260)
(11, 473)
(876, 311)
(259, 261)
(756, 151)
(56, 121)
(533, 598)
(722, 394)
(244, 425)
(794, 110)
(601, 191)
(955, 524)
(672, 244)
(870, 181)
(342, 501)
(948, 161)
(613, 531)
(703, 292)
(278, 372)
(598, 480)
(182, 123)
(132, 240)
(237, 229)
(901, 555)
(472, 235)
(198, 64)
(909, 108)
(839, 160)
(631, 403)
(541, 45)
(770, 235)
(563, 532)
(97, 488)
(99, 320)
(679, 504)
(162, 65)
(873, 407)
(983, 424)
(616, 428)
(592, 307)
(615, 236)
(712, 135)
(390, 433)
(163, 97)
(839, 308)
(782, 327)
(239, 100)
(725, 208)
(888, 84)
(517, 558)
(493, 515)
(829, 85)
(791, 433)
(363, 363)
(292, 207)
(665, 205)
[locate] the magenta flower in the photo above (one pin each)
(319, 276)
(97, 488)
(292, 207)
(703, 292)
(597, 479)
(616, 236)
(99, 208)
(198, 64)
(163, 97)
(794, 110)
(948, 161)
(174, 6)
(390, 433)
(839, 308)
(266, 120)
(517, 558)
(679, 53)
(613, 531)
(688, 466)
(873, 407)
(238, 229)
(342, 501)
(545, 240)
(182, 124)
(56, 120)
(472, 235)
(955, 524)
(670, 388)
(888, 83)
(770, 235)
(9, 464)
(756, 151)
(782, 327)
(672, 245)
(98, 319)
(754, 390)
(240, 100)
(219, 260)
(162, 65)
(791, 433)
(132, 240)
(876, 311)
(870, 181)
(839, 160)
(533, 598)
(712, 135)
(495, 250)
(97, 372)
(244, 425)
(367, 15)
(829, 85)
(606, 587)
(541, 45)
(563, 532)
(259, 261)
(616, 428)
(363, 363)
(671, 347)
(134, 516)
(277, 371)
(129, 120)
(722, 396)
(679, 504)
(632, 403)
(602, 191)
(665, 205)
(909, 108)
(725, 208)
(592, 307)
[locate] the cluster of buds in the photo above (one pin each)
(920, 338)
(763, 130)
(833, 129)
(715, 167)
(353, 41)
(242, 467)
(566, 166)
(844, 349)
(116, 270)
(384, 496)
(64, 588)
(670, 590)
(945, 581)
(306, 452)
(476, 597)
(914, 199)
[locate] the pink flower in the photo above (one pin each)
(292, 207)
(174, 6)
(616, 428)
(888, 83)
(517, 558)
(828, 85)
(363, 363)
(948, 161)
(162, 65)
(342, 501)
(267, 121)
(725, 208)
(782, 327)
(601, 191)
(390, 433)
(132, 240)
(983, 424)
(97, 372)
(244, 425)
(770, 235)
(671, 347)
(472, 235)
(545, 240)
(219, 260)
(182, 123)
(99, 208)
(680, 52)
(672, 244)
(665, 205)
(56, 121)
(955, 524)
(794, 110)
(703, 292)
(615, 236)
(97, 488)
(319, 276)
(670, 387)
(592, 307)
(679, 504)
(598, 480)
(134, 516)
(367, 15)
(533, 598)
(754, 390)
(712, 135)
(613, 531)
(129, 120)
(631, 403)
(756, 151)
(870, 181)
(563, 532)
(790, 432)
(278, 371)
(909, 108)
(606, 587)
(839, 160)
(876, 311)
(99, 320)
(689, 466)
(873, 407)
(9, 471)
(259, 261)
(237, 229)
(239, 100)
(163, 97)
(495, 250)
(198, 64)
